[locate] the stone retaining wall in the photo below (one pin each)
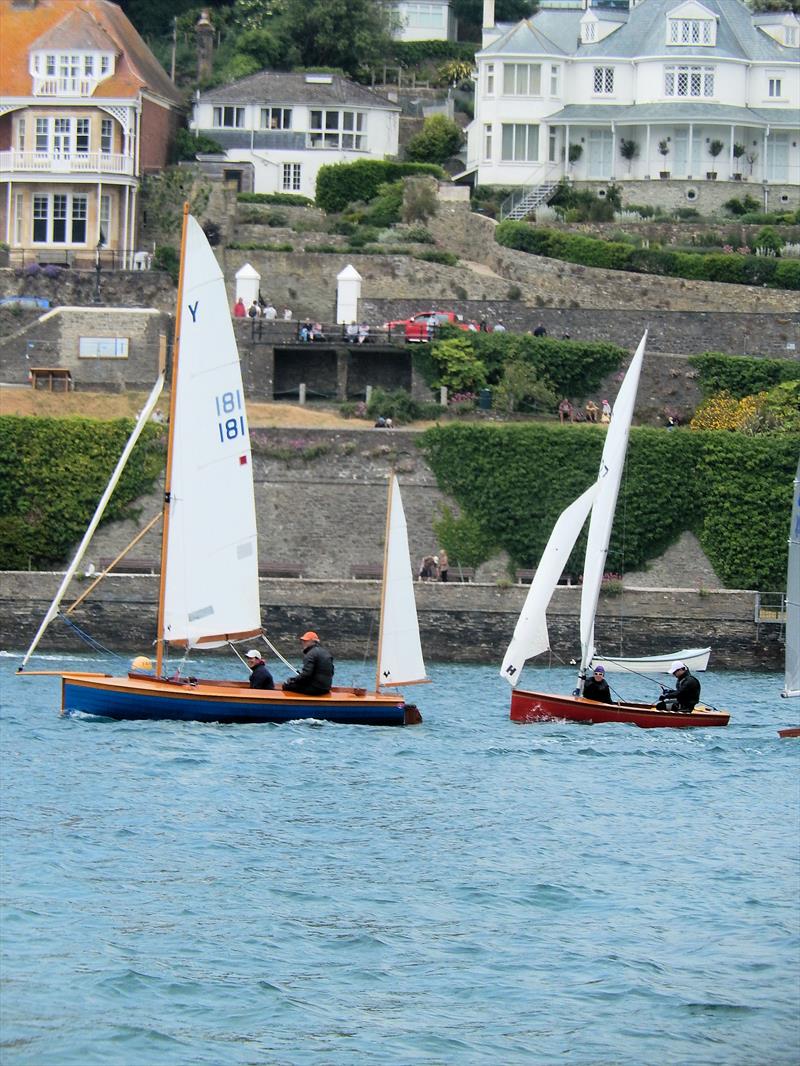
(457, 623)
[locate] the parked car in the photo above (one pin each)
(29, 303)
(423, 326)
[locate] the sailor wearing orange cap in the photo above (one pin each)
(316, 675)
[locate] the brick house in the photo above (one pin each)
(85, 111)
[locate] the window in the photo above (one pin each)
(427, 16)
(42, 134)
(338, 129)
(689, 81)
(50, 66)
(21, 134)
(59, 218)
(555, 78)
(229, 118)
(522, 79)
(775, 87)
(552, 145)
(276, 118)
(291, 177)
(690, 31)
(520, 143)
(105, 65)
(791, 36)
(106, 136)
(490, 79)
(589, 32)
(69, 67)
(604, 80)
(82, 135)
(487, 141)
(88, 66)
(62, 136)
(105, 218)
(19, 201)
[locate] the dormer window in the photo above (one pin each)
(589, 32)
(691, 31)
(73, 73)
(791, 36)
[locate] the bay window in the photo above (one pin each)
(338, 129)
(522, 79)
(689, 81)
(59, 218)
(520, 142)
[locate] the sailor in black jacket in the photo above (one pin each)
(260, 677)
(316, 676)
(596, 687)
(686, 694)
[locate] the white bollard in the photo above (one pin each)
(302, 397)
(443, 396)
(348, 293)
(369, 395)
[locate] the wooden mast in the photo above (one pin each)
(170, 435)
(383, 579)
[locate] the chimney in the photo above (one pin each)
(205, 45)
(488, 14)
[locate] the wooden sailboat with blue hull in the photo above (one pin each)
(209, 584)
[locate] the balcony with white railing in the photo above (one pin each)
(52, 85)
(16, 163)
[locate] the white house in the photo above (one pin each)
(670, 77)
(279, 129)
(424, 20)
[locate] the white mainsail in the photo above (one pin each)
(791, 686)
(612, 464)
(211, 570)
(399, 650)
(530, 635)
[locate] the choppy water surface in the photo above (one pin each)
(467, 891)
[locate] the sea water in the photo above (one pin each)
(466, 891)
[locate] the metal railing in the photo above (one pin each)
(537, 190)
(78, 259)
(770, 607)
(52, 85)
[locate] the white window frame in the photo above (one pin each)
(522, 79)
(490, 79)
(589, 32)
(292, 177)
(691, 78)
(19, 214)
(44, 128)
(21, 134)
(106, 136)
(699, 32)
(341, 129)
(83, 130)
(555, 79)
(604, 77)
(488, 133)
(552, 145)
(105, 218)
(68, 209)
(522, 141)
(775, 84)
(227, 117)
(790, 33)
(276, 118)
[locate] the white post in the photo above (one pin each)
(443, 396)
(689, 152)
(248, 283)
(368, 395)
(647, 153)
(302, 396)
(348, 293)
(730, 154)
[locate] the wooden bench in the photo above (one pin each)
(525, 577)
(459, 574)
(369, 572)
(280, 570)
(49, 374)
(60, 257)
(132, 566)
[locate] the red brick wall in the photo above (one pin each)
(157, 130)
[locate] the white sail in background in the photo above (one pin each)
(211, 571)
(400, 651)
(612, 465)
(792, 665)
(530, 635)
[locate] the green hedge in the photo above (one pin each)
(340, 184)
(614, 255)
(413, 53)
(734, 492)
(288, 199)
(742, 375)
(52, 474)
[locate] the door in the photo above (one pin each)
(685, 166)
(599, 165)
(778, 157)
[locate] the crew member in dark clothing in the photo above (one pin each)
(260, 677)
(596, 686)
(316, 675)
(686, 694)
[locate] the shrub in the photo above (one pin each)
(168, 259)
(435, 256)
(289, 199)
(742, 206)
(787, 274)
(399, 405)
(438, 140)
(187, 145)
(339, 184)
(741, 375)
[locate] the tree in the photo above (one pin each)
(349, 34)
(438, 139)
(470, 15)
(522, 387)
(774, 5)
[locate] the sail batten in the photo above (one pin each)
(211, 568)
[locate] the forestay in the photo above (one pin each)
(211, 565)
(400, 651)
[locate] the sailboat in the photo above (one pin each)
(531, 636)
(791, 682)
(209, 584)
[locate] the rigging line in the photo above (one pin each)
(276, 653)
(86, 637)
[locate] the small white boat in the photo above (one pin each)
(695, 659)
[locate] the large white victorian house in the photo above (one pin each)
(594, 92)
(278, 129)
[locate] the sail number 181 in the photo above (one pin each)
(231, 423)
